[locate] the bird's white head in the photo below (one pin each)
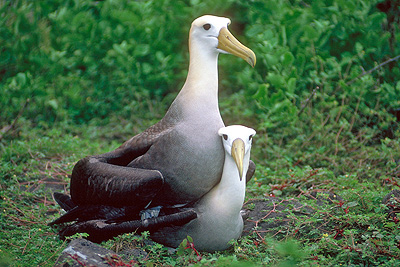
(237, 140)
(212, 32)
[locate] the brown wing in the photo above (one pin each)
(250, 171)
(106, 180)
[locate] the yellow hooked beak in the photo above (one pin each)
(228, 43)
(238, 155)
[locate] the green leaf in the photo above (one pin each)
(141, 50)
(53, 103)
(350, 204)
(276, 80)
(288, 59)
(310, 33)
(182, 247)
(291, 85)
(359, 48)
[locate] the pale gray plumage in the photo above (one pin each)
(218, 212)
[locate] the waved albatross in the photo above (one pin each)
(218, 212)
(212, 221)
(175, 161)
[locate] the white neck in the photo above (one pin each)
(203, 69)
(200, 91)
(229, 194)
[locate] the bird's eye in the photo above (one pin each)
(250, 137)
(225, 136)
(207, 26)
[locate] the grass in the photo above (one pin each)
(354, 230)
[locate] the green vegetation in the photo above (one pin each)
(80, 77)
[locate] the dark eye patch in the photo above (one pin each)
(207, 26)
(250, 137)
(225, 136)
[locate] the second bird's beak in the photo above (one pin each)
(238, 155)
(228, 43)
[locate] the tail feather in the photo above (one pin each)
(98, 212)
(64, 201)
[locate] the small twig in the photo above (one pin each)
(21, 221)
(190, 245)
(308, 100)
(27, 242)
(276, 233)
(337, 140)
(275, 205)
(373, 69)
(353, 118)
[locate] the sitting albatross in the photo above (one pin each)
(218, 212)
(212, 221)
(180, 158)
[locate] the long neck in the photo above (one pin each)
(203, 70)
(230, 192)
(200, 91)
(230, 185)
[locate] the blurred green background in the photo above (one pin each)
(121, 62)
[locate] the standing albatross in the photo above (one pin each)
(177, 160)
